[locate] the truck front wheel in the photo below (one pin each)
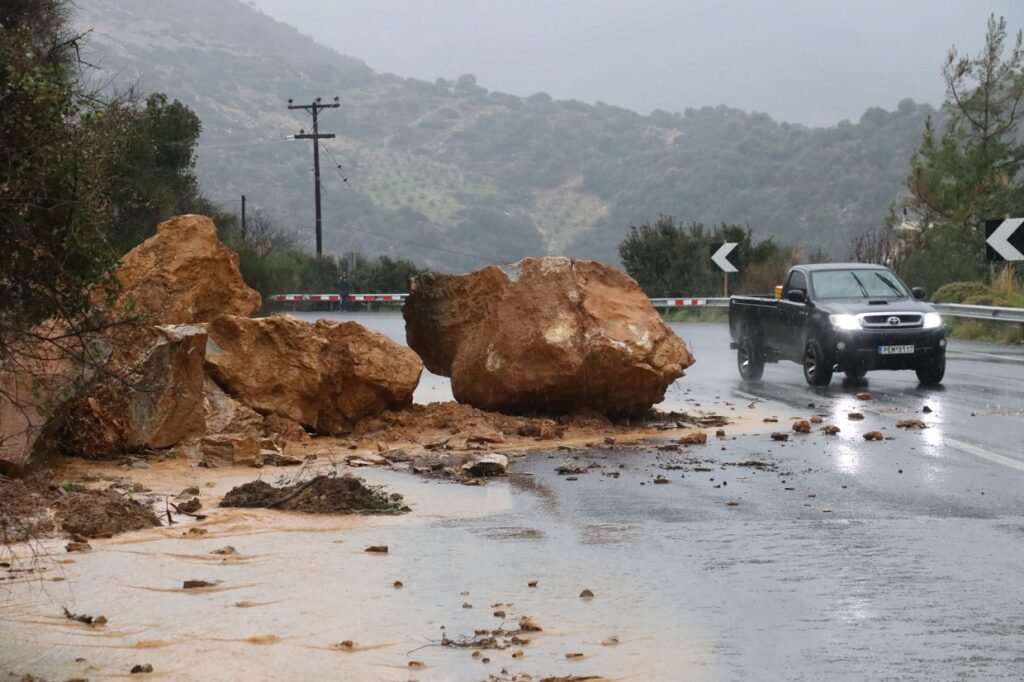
(817, 365)
(749, 359)
(931, 370)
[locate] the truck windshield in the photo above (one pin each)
(861, 283)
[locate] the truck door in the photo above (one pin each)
(789, 336)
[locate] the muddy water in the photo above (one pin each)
(300, 585)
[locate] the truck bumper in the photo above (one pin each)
(861, 349)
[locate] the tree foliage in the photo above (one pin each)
(670, 259)
(968, 168)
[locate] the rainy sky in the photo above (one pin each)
(806, 61)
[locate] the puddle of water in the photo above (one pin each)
(314, 587)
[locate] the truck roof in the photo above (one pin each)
(811, 267)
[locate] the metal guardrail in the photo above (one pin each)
(974, 312)
(981, 312)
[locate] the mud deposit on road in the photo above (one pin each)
(285, 595)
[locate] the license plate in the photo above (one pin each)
(895, 350)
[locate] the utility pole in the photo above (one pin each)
(243, 217)
(314, 109)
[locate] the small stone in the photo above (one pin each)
(141, 668)
(466, 605)
(78, 547)
(830, 430)
(661, 479)
(720, 433)
(926, 409)
(873, 435)
(196, 584)
(377, 549)
(586, 594)
(416, 665)
(780, 436)
(693, 437)
(610, 641)
(528, 625)
(911, 424)
(532, 583)
(732, 503)
(864, 396)
(816, 419)
(573, 655)
(855, 416)
(227, 550)
(802, 426)
(398, 584)
(195, 531)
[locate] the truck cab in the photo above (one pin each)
(850, 317)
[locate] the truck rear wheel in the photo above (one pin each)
(749, 359)
(817, 365)
(931, 370)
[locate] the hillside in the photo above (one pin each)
(452, 175)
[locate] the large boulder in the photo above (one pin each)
(37, 375)
(158, 403)
(184, 274)
(325, 376)
(553, 334)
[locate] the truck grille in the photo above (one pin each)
(891, 320)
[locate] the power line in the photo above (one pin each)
(314, 109)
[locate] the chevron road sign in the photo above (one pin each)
(1004, 239)
(725, 256)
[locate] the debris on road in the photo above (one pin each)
(873, 435)
(802, 426)
(321, 494)
(780, 436)
(911, 424)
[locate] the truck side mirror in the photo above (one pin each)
(796, 295)
(918, 292)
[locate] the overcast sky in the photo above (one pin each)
(808, 61)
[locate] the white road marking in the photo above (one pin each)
(985, 454)
(1007, 358)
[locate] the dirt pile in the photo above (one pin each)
(554, 334)
(35, 507)
(325, 376)
(321, 494)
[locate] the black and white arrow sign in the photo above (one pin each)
(725, 256)
(1004, 239)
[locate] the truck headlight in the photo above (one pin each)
(844, 322)
(932, 320)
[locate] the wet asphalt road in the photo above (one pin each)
(845, 559)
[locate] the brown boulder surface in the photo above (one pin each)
(157, 404)
(184, 274)
(554, 334)
(325, 376)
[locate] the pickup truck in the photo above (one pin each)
(851, 317)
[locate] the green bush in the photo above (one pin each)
(959, 292)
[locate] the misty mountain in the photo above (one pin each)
(452, 175)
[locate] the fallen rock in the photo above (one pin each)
(225, 415)
(141, 668)
(185, 275)
(873, 435)
(693, 437)
(554, 334)
(289, 430)
(190, 506)
(197, 584)
(325, 376)
(802, 426)
(377, 549)
(529, 625)
(78, 547)
(855, 416)
(158, 403)
(830, 430)
(816, 419)
(864, 396)
(780, 436)
(485, 465)
(230, 449)
(273, 458)
(911, 424)
(586, 594)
